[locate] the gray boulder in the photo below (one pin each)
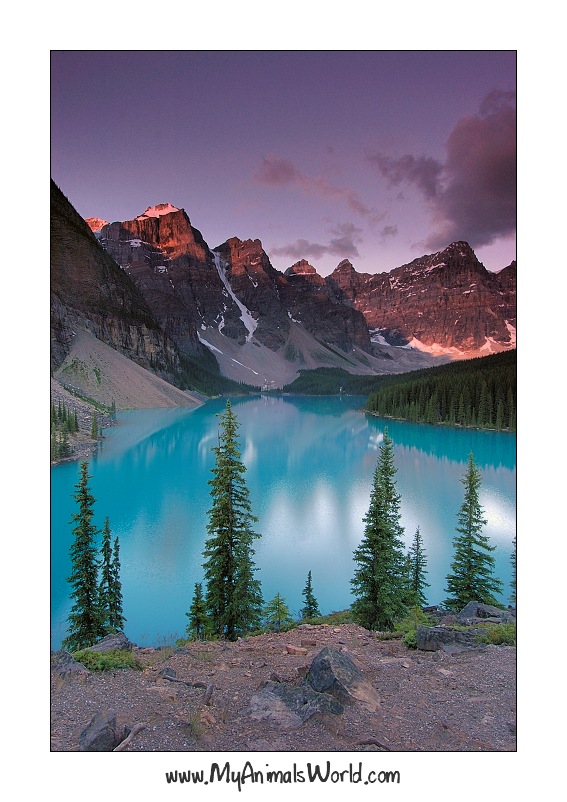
(65, 664)
(103, 733)
(476, 612)
(431, 639)
(335, 672)
(117, 640)
(288, 706)
(333, 680)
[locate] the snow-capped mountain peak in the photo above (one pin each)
(158, 210)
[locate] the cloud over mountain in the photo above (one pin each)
(276, 172)
(472, 195)
(343, 244)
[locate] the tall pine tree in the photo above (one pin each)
(380, 579)
(311, 608)
(85, 621)
(471, 577)
(233, 596)
(417, 562)
(110, 588)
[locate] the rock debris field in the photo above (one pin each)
(315, 688)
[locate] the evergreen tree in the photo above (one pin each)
(105, 585)
(311, 608)
(417, 562)
(472, 567)
(380, 579)
(110, 587)
(116, 614)
(197, 614)
(233, 596)
(276, 613)
(85, 620)
(94, 427)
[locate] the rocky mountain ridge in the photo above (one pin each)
(443, 303)
(153, 289)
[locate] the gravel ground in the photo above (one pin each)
(429, 701)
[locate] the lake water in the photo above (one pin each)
(310, 463)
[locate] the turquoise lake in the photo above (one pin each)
(310, 463)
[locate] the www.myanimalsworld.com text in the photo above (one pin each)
(308, 773)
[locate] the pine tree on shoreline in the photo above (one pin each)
(380, 579)
(471, 577)
(196, 628)
(233, 596)
(417, 562)
(276, 613)
(85, 620)
(311, 608)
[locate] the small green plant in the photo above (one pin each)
(407, 626)
(499, 634)
(107, 661)
(334, 618)
(410, 639)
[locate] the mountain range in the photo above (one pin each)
(154, 291)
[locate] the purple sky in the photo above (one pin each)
(374, 156)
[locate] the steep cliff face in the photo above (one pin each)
(89, 291)
(299, 295)
(173, 268)
(231, 302)
(312, 301)
(444, 301)
(257, 286)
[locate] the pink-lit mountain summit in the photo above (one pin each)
(258, 325)
(445, 302)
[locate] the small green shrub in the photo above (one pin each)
(334, 618)
(410, 639)
(406, 628)
(498, 634)
(107, 661)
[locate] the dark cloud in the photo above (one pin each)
(473, 194)
(301, 249)
(423, 171)
(343, 244)
(388, 231)
(478, 202)
(276, 172)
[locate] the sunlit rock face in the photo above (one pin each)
(173, 267)
(444, 303)
(446, 300)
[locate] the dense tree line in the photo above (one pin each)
(477, 393)
(63, 423)
(334, 381)
(203, 376)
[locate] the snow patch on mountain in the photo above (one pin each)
(250, 324)
(158, 210)
(208, 344)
